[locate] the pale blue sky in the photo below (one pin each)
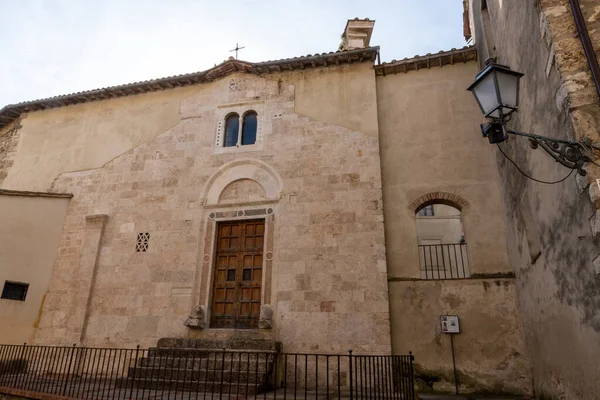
(53, 47)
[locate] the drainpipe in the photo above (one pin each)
(588, 48)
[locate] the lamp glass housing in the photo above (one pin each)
(496, 89)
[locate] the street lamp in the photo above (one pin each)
(496, 90)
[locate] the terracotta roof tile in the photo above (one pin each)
(439, 59)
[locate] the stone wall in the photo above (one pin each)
(9, 139)
(557, 290)
(329, 288)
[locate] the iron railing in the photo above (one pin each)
(444, 261)
(172, 373)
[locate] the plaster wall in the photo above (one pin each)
(558, 292)
(351, 104)
(489, 350)
(86, 136)
(329, 286)
(30, 229)
(430, 143)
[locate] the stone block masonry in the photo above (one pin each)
(329, 293)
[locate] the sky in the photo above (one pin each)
(54, 47)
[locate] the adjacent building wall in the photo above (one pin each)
(30, 228)
(431, 144)
(557, 290)
(490, 353)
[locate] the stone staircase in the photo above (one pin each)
(230, 366)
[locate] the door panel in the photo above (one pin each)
(238, 274)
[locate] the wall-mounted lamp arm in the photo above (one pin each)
(567, 152)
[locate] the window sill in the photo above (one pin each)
(241, 149)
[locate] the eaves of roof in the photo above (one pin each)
(11, 112)
(450, 57)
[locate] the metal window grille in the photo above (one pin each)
(231, 274)
(143, 239)
(247, 275)
(15, 290)
(444, 261)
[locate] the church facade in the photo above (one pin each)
(329, 202)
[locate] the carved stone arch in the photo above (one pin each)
(239, 170)
(449, 199)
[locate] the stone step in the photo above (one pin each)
(209, 375)
(190, 353)
(220, 344)
(207, 363)
(197, 386)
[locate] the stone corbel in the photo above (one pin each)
(266, 317)
(196, 320)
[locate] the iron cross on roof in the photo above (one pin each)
(237, 48)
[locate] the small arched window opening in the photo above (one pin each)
(441, 241)
(249, 126)
(232, 127)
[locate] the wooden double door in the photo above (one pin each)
(237, 275)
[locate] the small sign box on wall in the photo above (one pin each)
(449, 323)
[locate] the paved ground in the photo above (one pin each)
(468, 397)
(100, 391)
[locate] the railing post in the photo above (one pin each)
(223, 371)
(137, 350)
(412, 378)
(69, 369)
(351, 377)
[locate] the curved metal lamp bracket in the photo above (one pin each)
(566, 152)
(569, 153)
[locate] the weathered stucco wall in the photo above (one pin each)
(558, 292)
(430, 142)
(489, 351)
(30, 229)
(86, 136)
(329, 281)
(352, 104)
